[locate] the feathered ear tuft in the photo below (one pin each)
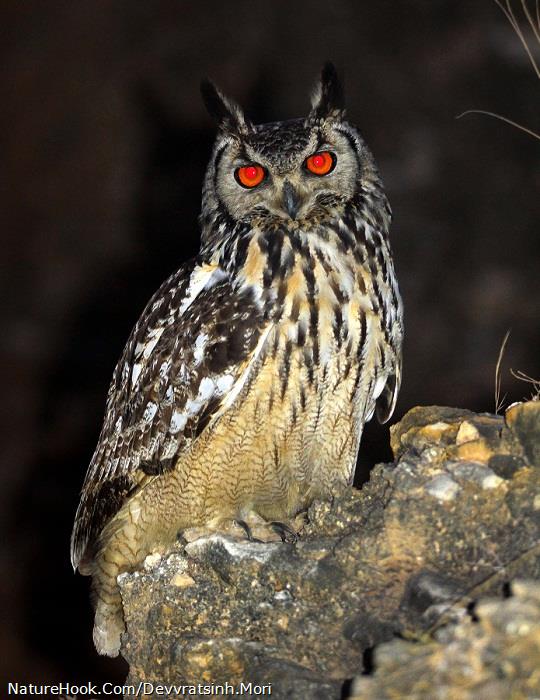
(227, 114)
(327, 99)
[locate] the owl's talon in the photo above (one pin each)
(286, 532)
(247, 530)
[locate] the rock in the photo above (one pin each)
(495, 655)
(523, 420)
(423, 539)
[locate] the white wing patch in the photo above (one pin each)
(208, 389)
(201, 278)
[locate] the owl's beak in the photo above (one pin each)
(291, 200)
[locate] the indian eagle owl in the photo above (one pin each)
(244, 387)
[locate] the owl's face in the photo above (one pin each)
(297, 171)
(290, 170)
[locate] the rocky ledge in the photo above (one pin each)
(455, 518)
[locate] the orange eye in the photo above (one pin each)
(321, 163)
(250, 175)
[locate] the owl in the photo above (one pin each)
(243, 389)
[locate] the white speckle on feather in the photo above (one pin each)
(367, 228)
(150, 411)
(178, 422)
(200, 344)
(135, 372)
(193, 406)
(154, 336)
(170, 449)
(164, 368)
(157, 303)
(201, 278)
(169, 394)
(118, 425)
(206, 389)
(224, 383)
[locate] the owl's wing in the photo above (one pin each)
(184, 363)
(386, 402)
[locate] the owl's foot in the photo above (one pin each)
(247, 530)
(285, 531)
(252, 527)
(256, 529)
(289, 530)
(233, 528)
(259, 530)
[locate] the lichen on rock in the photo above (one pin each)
(455, 517)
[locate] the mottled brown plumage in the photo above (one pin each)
(243, 389)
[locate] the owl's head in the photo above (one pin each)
(298, 171)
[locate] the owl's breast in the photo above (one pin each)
(315, 383)
(318, 295)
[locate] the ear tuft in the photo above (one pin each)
(226, 113)
(328, 99)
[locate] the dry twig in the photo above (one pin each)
(498, 401)
(535, 383)
(534, 24)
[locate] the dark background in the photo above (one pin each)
(104, 142)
